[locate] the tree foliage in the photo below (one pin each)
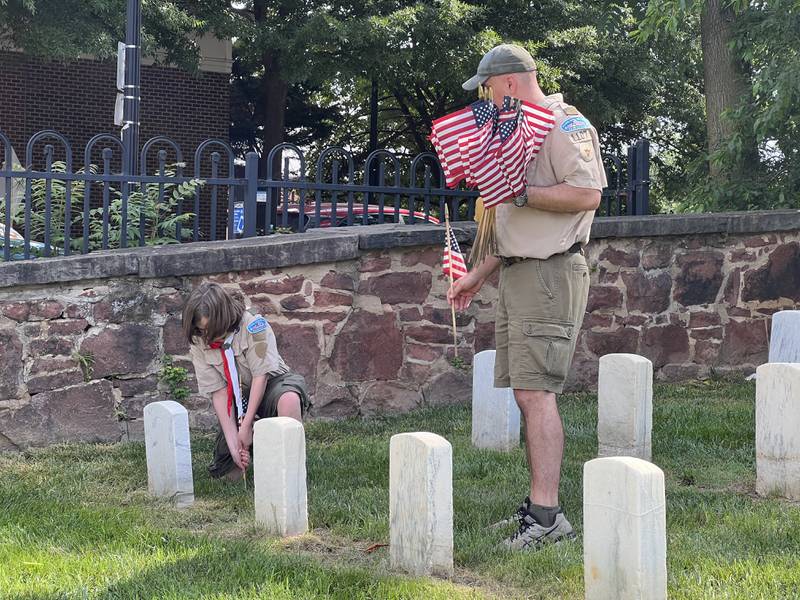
(765, 40)
(303, 72)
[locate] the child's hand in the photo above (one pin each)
(237, 458)
(245, 458)
(245, 435)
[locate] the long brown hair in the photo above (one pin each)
(223, 311)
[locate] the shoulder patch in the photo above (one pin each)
(571, 110)
(574, 124)
(258, 325)
(581, 135)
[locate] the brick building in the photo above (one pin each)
(77, 100)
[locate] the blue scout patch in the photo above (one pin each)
(257, 326)
(574, 124)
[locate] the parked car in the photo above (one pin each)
(327, 218)
(17, 243)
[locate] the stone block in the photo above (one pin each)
(495, 414)
(451, 387)
(121, 350)
(625, 406)
(647, 294)
(624, 530)
(295, 302)
(300, 348)
(603, 297)
(80, 413)
(54, 381)
(287, 285)
(279, 475)
(620, 257)
(745, 342)
(620, 340)
(410, 287)
(784, 342)
(699, 279)
(421, 504)
(338, 281)
(387, 397)
(779, 278)
(369, 347)
(778, 430)
(666, 344)
(168, 451)
(11, 358)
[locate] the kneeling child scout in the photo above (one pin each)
(236, 363)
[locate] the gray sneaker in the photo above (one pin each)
(532, 535)
(516, 519)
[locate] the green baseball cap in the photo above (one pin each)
(502, 59)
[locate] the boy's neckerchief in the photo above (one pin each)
(231, 375)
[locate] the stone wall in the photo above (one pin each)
(361, 312)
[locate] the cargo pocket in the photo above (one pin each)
(551, 343)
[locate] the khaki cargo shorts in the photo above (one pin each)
(539, 315)
(222, 462)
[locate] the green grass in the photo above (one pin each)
(76, 521)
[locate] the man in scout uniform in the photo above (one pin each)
(236, 362)
(544, 281)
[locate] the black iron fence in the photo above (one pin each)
(50, 205)
(628, 190)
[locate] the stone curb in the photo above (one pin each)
(345, 243)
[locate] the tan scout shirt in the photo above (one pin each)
(568, 155)
(255, 354)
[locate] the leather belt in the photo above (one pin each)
(507, 261)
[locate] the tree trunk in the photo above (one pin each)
(274, 91)
(726, 87)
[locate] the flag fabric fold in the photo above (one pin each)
(490, 148)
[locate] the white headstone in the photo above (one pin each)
(624, 530)
(495, 414)
(279, 475)
(168, 451)
(784, 341)
(625, 406)
(421, 504)
(778, 430)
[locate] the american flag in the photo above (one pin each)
(447, 130)
(522, 145)
(453, 261)
(491, 148)
(488, 175)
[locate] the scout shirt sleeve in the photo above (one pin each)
(209, 380)
(573, 153)
(261, 347)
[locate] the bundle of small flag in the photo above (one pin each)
(490, 148)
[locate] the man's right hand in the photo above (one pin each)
(461, 292)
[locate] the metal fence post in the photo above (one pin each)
(643, 177)
(250, 194)
(630, 187)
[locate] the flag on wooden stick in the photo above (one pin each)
(453, 262)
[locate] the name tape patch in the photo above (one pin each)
(574, 124)
(258, 325)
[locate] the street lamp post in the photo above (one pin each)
(131, 91)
